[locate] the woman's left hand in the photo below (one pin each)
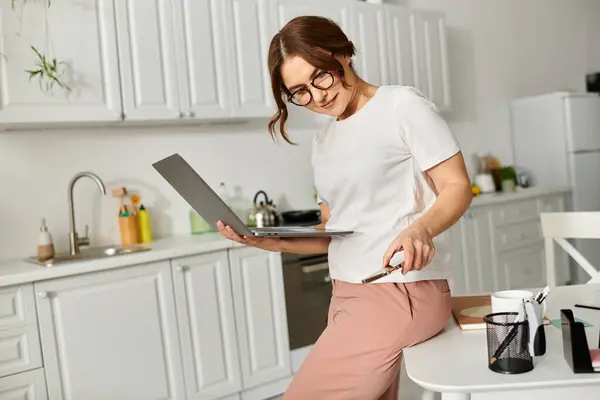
(417, 243)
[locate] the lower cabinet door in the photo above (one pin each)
(522, 269)
(111, 335)
(207, 326)
(260, 313)
(29, 385)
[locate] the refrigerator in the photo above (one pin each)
(556, 140)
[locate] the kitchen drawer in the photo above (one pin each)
(19, 350)
(17, 306)
(516, 211)
(522, 269)
(517, 235)
(29, 385)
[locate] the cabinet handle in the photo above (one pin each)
(191, 114)
(43, 294)
(180, 268)
(181, 115)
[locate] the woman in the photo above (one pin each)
(389, 168)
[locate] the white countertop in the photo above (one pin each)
(520, 194)
(21, 271)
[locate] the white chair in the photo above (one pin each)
(559, 226)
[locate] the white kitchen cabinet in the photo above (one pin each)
(207, 325)
(260, 312)
(82, 36)
(399, 47)
(522, 268)
(499, 245)
(111, 334)
(201, 41)
(369, 38)
(473, 262)
(182, 60)
(336, 10)
(252, 26)
(429, 56)
(145, 34)
(29, 385)
(195, 60)
(19, 350)
(17, 306)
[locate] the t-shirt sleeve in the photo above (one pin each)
(423, 129)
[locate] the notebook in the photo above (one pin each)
(470, 310)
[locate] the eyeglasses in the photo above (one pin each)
(302, 97)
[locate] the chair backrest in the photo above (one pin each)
(559, 226)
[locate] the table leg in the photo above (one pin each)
(456, 396)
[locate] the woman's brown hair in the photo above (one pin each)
(314, 39)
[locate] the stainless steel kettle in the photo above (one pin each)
(264, 214)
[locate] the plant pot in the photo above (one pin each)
(508, 185)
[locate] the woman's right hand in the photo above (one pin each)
(269, 244)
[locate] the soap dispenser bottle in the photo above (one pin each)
(45, 244)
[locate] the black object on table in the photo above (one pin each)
(575, 346)
(508, 343)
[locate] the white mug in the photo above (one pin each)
(512, 300)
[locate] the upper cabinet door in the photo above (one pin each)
(430, 56)
(147, 59)
(252, 26)
(336, 10)
(80, 35)
(201, 41)
(399, 47)
(370, 41)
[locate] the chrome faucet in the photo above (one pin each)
(74, 240)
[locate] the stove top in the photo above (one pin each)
(300, 218)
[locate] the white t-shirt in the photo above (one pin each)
(369, 168)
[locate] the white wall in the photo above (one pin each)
(35, 168)
(503, 49)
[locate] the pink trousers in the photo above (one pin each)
(358, 355)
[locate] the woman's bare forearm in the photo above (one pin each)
(449, 206)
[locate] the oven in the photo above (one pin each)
(307, 286)
(307, 296)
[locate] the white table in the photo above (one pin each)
(454, 362)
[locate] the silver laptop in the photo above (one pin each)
(212, 208)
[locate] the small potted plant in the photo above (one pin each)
(507, 178)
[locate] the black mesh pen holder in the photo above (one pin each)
(508, 344)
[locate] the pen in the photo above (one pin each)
(590, 307)
(379, 275)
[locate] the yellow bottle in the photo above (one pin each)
(144, 225)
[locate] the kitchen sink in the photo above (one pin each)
(92, 253)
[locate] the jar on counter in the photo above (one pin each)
(198, 225)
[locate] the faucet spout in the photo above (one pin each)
(74, 240)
